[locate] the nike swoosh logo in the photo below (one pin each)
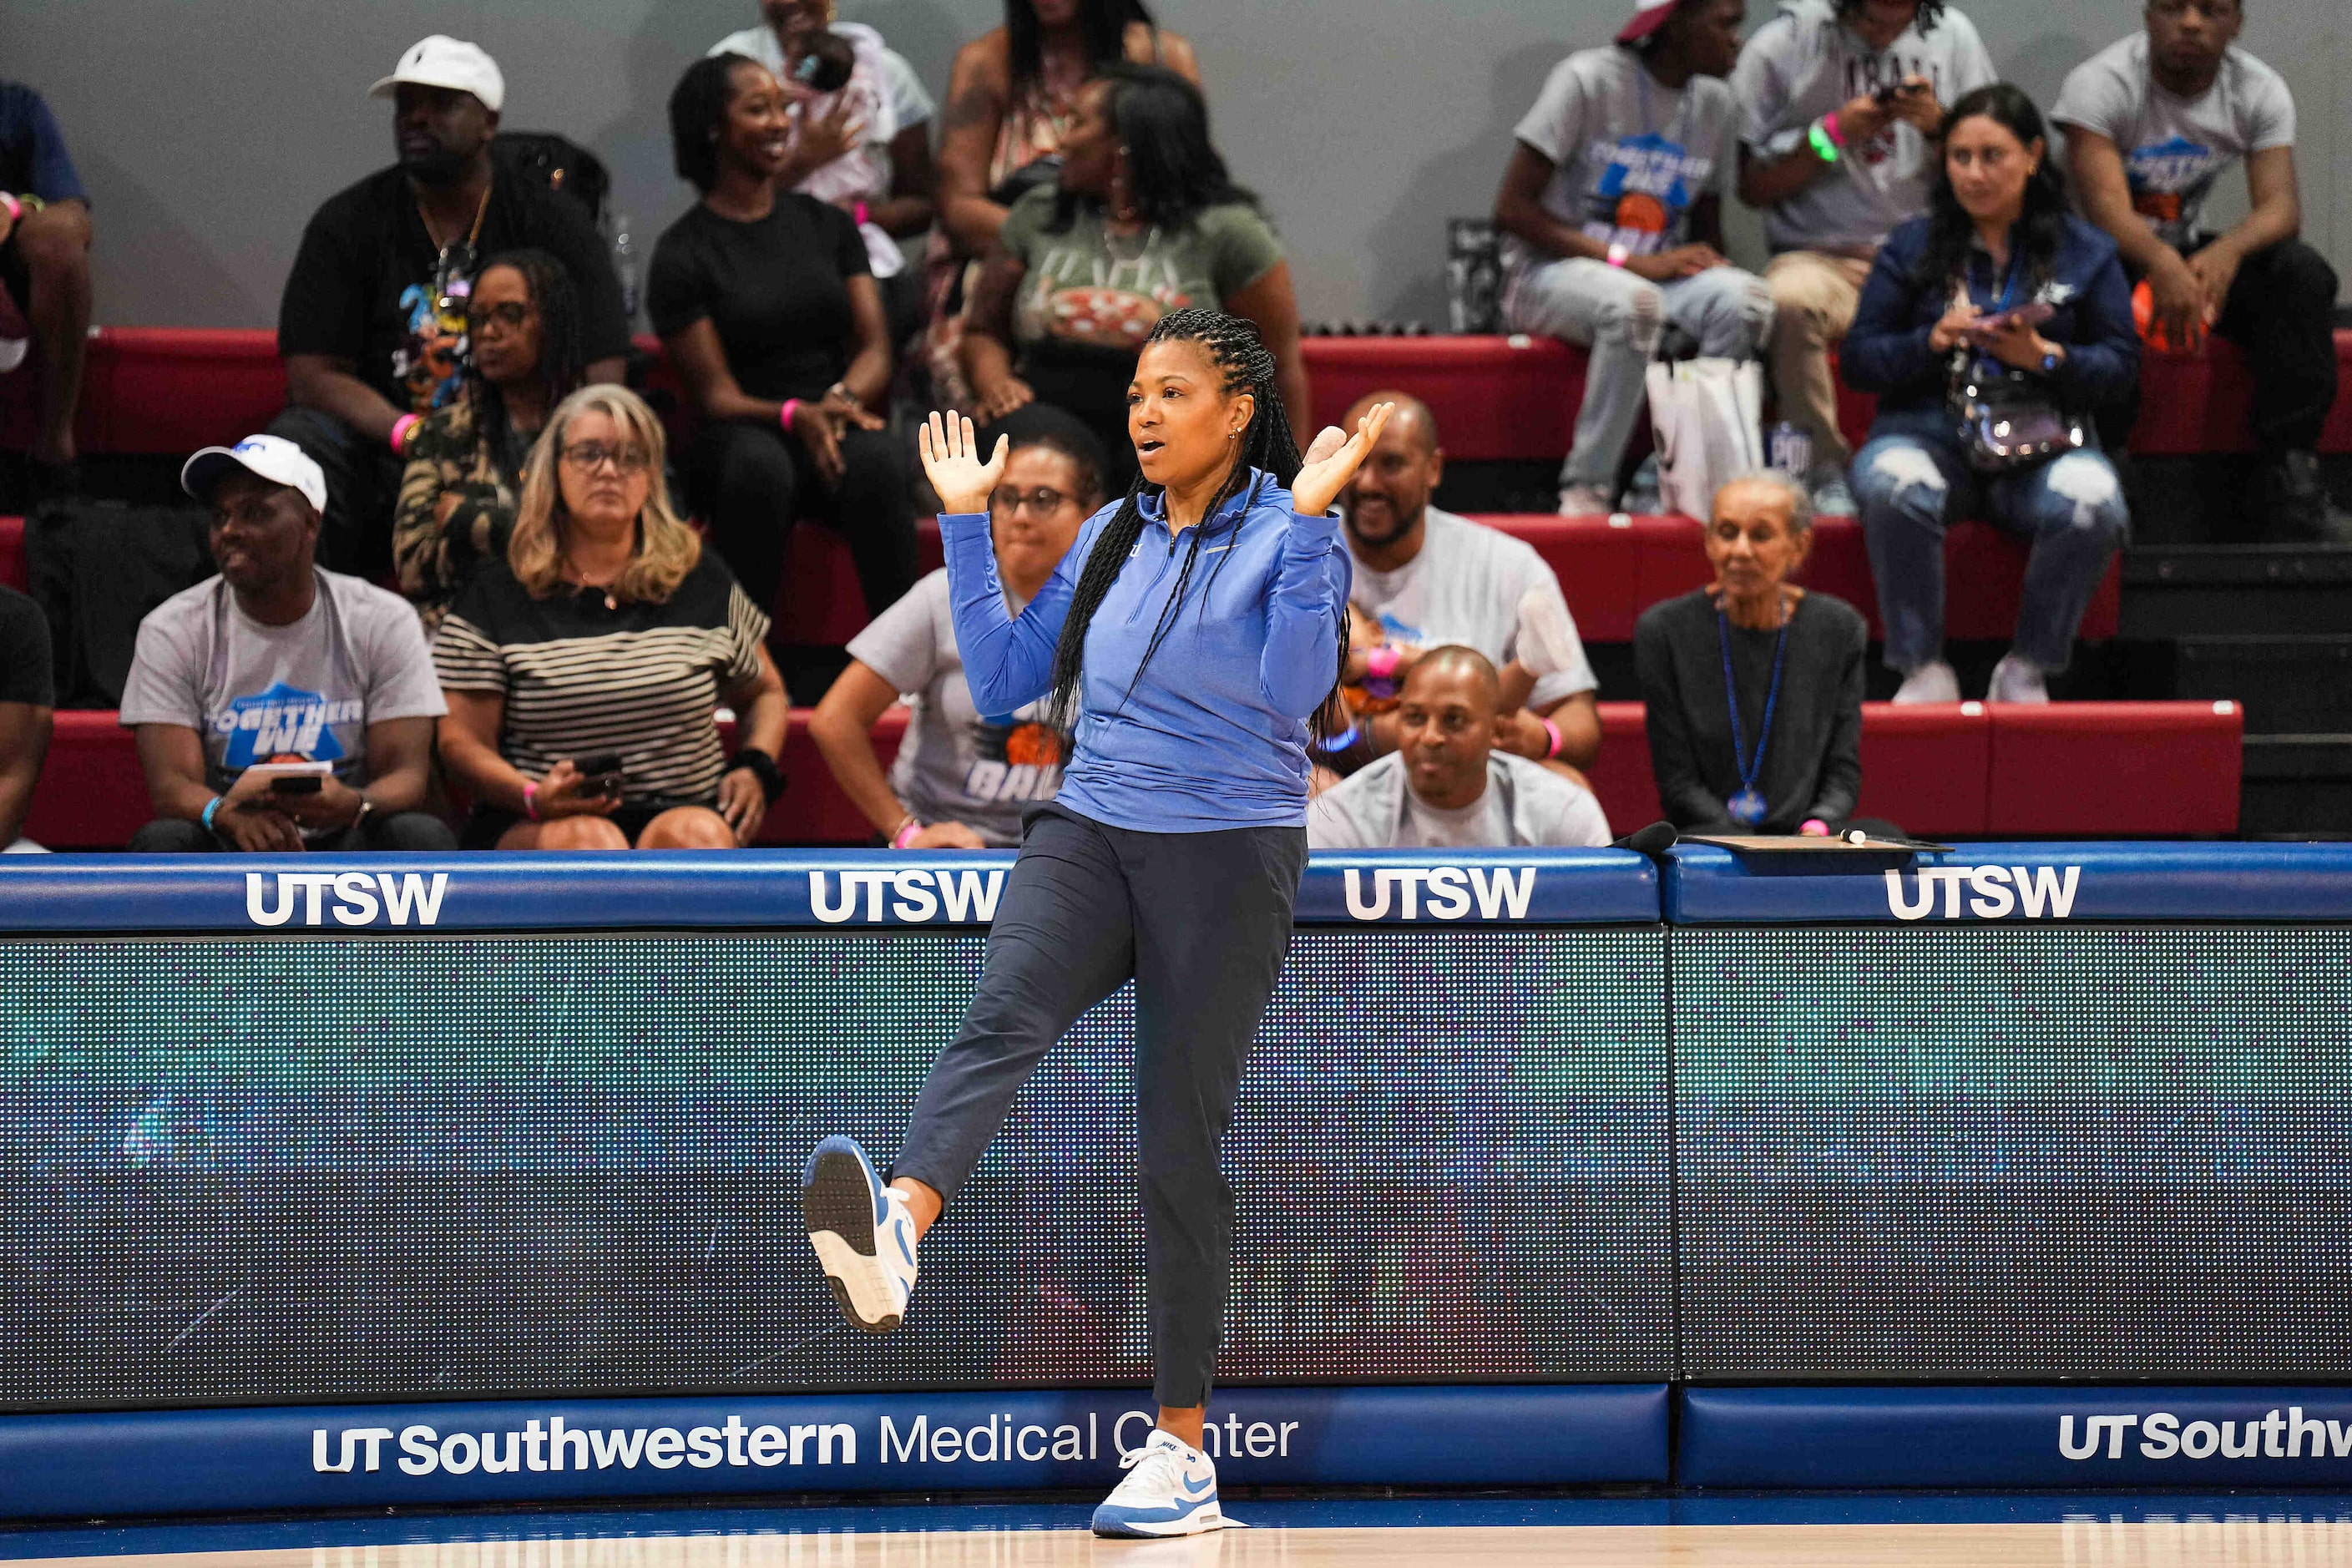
(1207, 1488)
(904, 1250)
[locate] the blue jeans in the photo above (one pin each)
(1911, 479)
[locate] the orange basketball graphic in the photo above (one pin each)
(1032, 745)
(1109, 318)
(1642, 213)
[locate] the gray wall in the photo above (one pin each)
(209, 130)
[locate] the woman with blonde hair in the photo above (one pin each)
(585, 670)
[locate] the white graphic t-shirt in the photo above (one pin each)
(1630, 156)
(2175, 147)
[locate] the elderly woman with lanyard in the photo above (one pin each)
(1196, 629)
(1753, 685)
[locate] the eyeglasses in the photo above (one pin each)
(1043, 499)
(512, 316)
(590, 455)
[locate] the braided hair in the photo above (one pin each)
(1234, 347)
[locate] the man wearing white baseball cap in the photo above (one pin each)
(279, 706)
(372, 324)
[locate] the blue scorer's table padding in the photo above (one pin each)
(2018, 883)
(841, 888)
(502, 1452)
(2187, 1438)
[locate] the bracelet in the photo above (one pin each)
(531, 800)
(212, 809)
(859, 214)
(906, 834)
(1381, 662)
(785, 417)
(1620, 254)
(1332, 745)
(1834, 128)
(400, 429)
(1551, 729)
(1813, 827)
(15, 208)
(1825, 146)
(764, 768)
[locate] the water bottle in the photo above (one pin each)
(1791, 451)
(624, 263)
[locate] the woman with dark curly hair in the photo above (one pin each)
(1999, 293)
(464, 479)
(1195, 633)
(765, 302)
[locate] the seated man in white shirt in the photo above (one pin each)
(1425, 578)
(1446, 785)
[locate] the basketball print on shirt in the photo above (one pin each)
(1083, 297)
(1645, 184)
(1016, 758)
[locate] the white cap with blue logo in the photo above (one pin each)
(273, 457)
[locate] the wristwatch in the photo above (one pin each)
(2052, 360)
(360, 821)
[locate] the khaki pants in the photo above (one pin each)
(1813, 299)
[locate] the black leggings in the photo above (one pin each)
(751, 482)
(1201, 922)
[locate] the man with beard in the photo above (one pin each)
(372, 323)
(1424, 577)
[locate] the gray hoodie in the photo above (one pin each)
(1804, 63)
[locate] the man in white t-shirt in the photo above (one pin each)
(1447, 787)
(1425, 577)
(2152, 121)
(1610, 213)
(1839, 103)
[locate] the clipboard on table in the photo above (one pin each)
(1797, 855)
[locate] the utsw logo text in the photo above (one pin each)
(360, 897)
(1993, 891)
(916, 896)
(1446, 892)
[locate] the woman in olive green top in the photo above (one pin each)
(1145, 220)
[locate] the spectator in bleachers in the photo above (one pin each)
(1011, 97)
(963, 777)
(1424, 578)
(1963, 287)
(45, 289)
(1448, 784)
(864, 145)
(465, 461)
(767, 305)
(372, 323)
(1753, 686)
(1144, 220)
(585, 670)
(2151, 123)
(26, 698)
(1612, 216)
(277, 661)
(1841, 103)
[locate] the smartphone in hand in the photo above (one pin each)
(600, 775)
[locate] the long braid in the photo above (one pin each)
(1236, 348)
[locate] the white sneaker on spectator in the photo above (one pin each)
(2017, 681)
(1171, 1490)
(1584, 500)
(863, 1235)
(1830, 495)
(1932, 682)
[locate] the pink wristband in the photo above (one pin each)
(1831, 129)
(15, 208)
(531, 800)
(786, 417)
(1381, 664)
(1551, 729)
(860, 214)
(400, 429)
(906, 834)
(1813, 827)
(1620, 254)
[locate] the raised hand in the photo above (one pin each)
(1332, 460)
(951, 459)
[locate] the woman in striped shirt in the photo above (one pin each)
(583, 671)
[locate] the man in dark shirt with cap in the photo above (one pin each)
(373, 323)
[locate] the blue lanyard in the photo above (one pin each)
(1749, 768)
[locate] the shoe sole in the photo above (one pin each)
(838, 1202)
(1199, 1522)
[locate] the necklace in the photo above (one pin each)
(472, 233)
(572, 570)
(1748, 806)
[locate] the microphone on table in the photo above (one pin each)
(1653, 840)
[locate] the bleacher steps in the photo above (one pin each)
(2220, 590)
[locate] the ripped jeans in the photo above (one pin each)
(1912, 479)
(1727, 312)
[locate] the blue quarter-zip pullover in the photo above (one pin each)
(1214, 734)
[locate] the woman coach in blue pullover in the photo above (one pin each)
(1196, 629)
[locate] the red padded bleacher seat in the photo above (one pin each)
(174, 389)
(2133, 767)
(2196, 402)
(92, 794)
(12, 554)
(1927, 768)
(1621, 776)
(1495, 397)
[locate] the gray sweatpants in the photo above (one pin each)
(1201, 921)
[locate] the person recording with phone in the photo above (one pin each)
(584, 670)
(1191, 641)
(1991, 331)
(280, 707)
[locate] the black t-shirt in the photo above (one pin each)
(362, 288)
(23, 652)
(776, 291)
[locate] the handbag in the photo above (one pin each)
(2007, 419)
(1708, 415)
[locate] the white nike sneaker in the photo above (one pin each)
(1585, 500)
(2016, 681)
(863, 1235)
(1171, 1490)
(1933, 682)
